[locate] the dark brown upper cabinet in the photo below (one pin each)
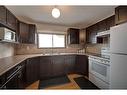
(73, 36)
(2, 15)
(32, 34)
(106, 23)
(11, 21)
(26, 33)
(101, 26)
(120, 14)
(88, 35)
(110, 22)
(91, 33)
(23, 32)
(7, 19)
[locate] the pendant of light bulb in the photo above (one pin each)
(55, 12)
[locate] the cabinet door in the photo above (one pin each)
(2, 15)
(23, 32)
(2, 81)
(11, 21)
(88, 32)
(81, 66)
(32, 70)
(91, 34)
(120, 14)
(73, 36)
(102, 25)
(22, 77)
(32, 31)
(58, 65)
(46, 67)
(110, 22)
(69, 63)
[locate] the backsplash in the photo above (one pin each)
(33, 49)
(6, 50)
(95, 48)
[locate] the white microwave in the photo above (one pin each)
(7, 35)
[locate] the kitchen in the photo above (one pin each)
(47, 51)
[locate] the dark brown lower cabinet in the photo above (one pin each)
(32, 69)
(58, 62)
(14, 78)
(81, 66)
(46, 67)
(70, 64)
(2, 81)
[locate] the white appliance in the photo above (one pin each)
(103, 34)
(118, 58)
(7, 35)
(99, 70)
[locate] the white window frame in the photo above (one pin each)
(52, 41)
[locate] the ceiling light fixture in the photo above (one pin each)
(55, 12)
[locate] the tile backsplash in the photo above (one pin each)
(33, 49)
(95, 48)
(6, 50)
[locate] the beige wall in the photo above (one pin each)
(6, 50)
(51, 28)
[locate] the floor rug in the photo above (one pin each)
(53, 82)
(85, 83)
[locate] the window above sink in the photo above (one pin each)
(51, 40)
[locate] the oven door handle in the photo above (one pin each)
(18, 68)
(18, 71)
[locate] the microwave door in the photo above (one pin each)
(7, 35)
(12, 36)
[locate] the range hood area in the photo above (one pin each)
(103, 34)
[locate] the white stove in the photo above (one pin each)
(99, 68)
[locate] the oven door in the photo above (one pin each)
(100, 70)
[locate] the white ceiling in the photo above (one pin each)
(77, 16)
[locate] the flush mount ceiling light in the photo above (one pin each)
(55, 12)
